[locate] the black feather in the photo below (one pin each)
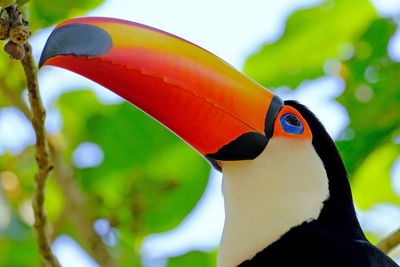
(335, 238)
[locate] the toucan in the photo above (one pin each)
(286, 192)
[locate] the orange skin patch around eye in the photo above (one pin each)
(279, 131)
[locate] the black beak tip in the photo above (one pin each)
(76, 39)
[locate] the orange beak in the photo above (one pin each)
(217, 110)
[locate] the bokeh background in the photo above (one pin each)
(126, 192)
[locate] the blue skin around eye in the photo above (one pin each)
(292, 129)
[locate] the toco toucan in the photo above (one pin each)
(286, 191)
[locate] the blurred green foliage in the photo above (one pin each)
(44, 13)
(311, 37)
(372, 95)
(150, 180)
(147, 172)
(194, 259)
(349, 40)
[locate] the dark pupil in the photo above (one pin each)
(292, 120)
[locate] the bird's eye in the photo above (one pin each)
(291, 124)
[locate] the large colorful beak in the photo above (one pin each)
(217, 110)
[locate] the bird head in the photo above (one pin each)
(217, 110)
(263, 146)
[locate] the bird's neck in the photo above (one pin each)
(338, 214)
(266, 197)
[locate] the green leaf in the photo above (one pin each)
(44, 13)
(56, 203)
(371, 183)
(149, 179)
(311, 37)
(373, 103)
(181, 175)
(24, 169)
(12, 80)
(22, 2)
(6, 3)
(194, 259)
(18, 246)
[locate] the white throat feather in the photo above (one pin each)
(283, 187)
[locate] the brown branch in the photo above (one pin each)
(390, 242)
(74, 210)
(64, 174)
(42, 158)
(38, 119)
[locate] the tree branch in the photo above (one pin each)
(74, 211)
(390, 242)
(17, 50)
(42, 158)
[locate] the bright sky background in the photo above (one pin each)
(231, 29)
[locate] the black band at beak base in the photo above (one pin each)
(249, 145)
